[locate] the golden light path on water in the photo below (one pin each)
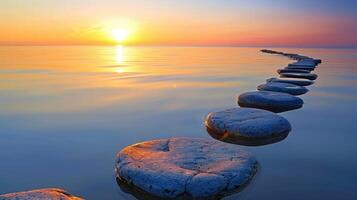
(58, 79)
(120, 59)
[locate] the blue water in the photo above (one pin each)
(66, 111)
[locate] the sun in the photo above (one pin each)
(120, 34)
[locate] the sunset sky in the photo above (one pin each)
(311, 23)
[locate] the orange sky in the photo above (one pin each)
(154, 22)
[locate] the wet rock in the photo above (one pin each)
(185, 167)
(299, 75)
(247, 126)
(40, 194)
(272, 101)
(295, 81)
(283, 87)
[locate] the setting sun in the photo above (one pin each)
(120, 34)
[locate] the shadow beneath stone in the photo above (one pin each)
(133, 192)
(233, 139)
(136, 192)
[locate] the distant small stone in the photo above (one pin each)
(301, 67)
(247, 126)
(295, 81)
(304, 62)
(185, 167)
(40, 194)
(283, 87)
(317, 61)
(272, 101)
(285, 70)
(299, 75)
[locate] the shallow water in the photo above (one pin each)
(66, 111)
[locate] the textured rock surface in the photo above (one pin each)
(272, 101)
(283, 87)
(40, 194)
(299, 75)
(247, 126)
(301, 82)
(285, 70)
(189, 167)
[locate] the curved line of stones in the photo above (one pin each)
(290, 55)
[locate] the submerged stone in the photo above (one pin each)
(247, 126)
(295, 81)
(283, 87)
(272, 101)
(184, 167)
(40, 194)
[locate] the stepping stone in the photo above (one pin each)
(247, 126)
(298, 75)
(301, 68)
(285, 70)
(268, 51)
(295, 81)
(40, 194)
(304, 62)
(272, 101)
(317, 61)
(185, 167)
(293, 56)
(283, 87)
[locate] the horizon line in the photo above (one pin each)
(187, 45)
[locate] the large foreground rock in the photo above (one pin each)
(185, 167)
(283, 87)
(40, 194)
(272, 101)
(295, 81)
(247, 126)
(299, 75)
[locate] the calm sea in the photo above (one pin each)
(66, 111)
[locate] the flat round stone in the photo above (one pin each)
(40, 194)
(283, 87)
(301, 67)
(299, 75)
(285, 70)
(304, 62)
(295, 81)
(247, 126)
(184, 167)
(272, 101)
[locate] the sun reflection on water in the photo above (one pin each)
(120, 55)
(120, 59)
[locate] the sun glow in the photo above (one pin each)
(120, 34)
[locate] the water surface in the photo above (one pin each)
(66, 111)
